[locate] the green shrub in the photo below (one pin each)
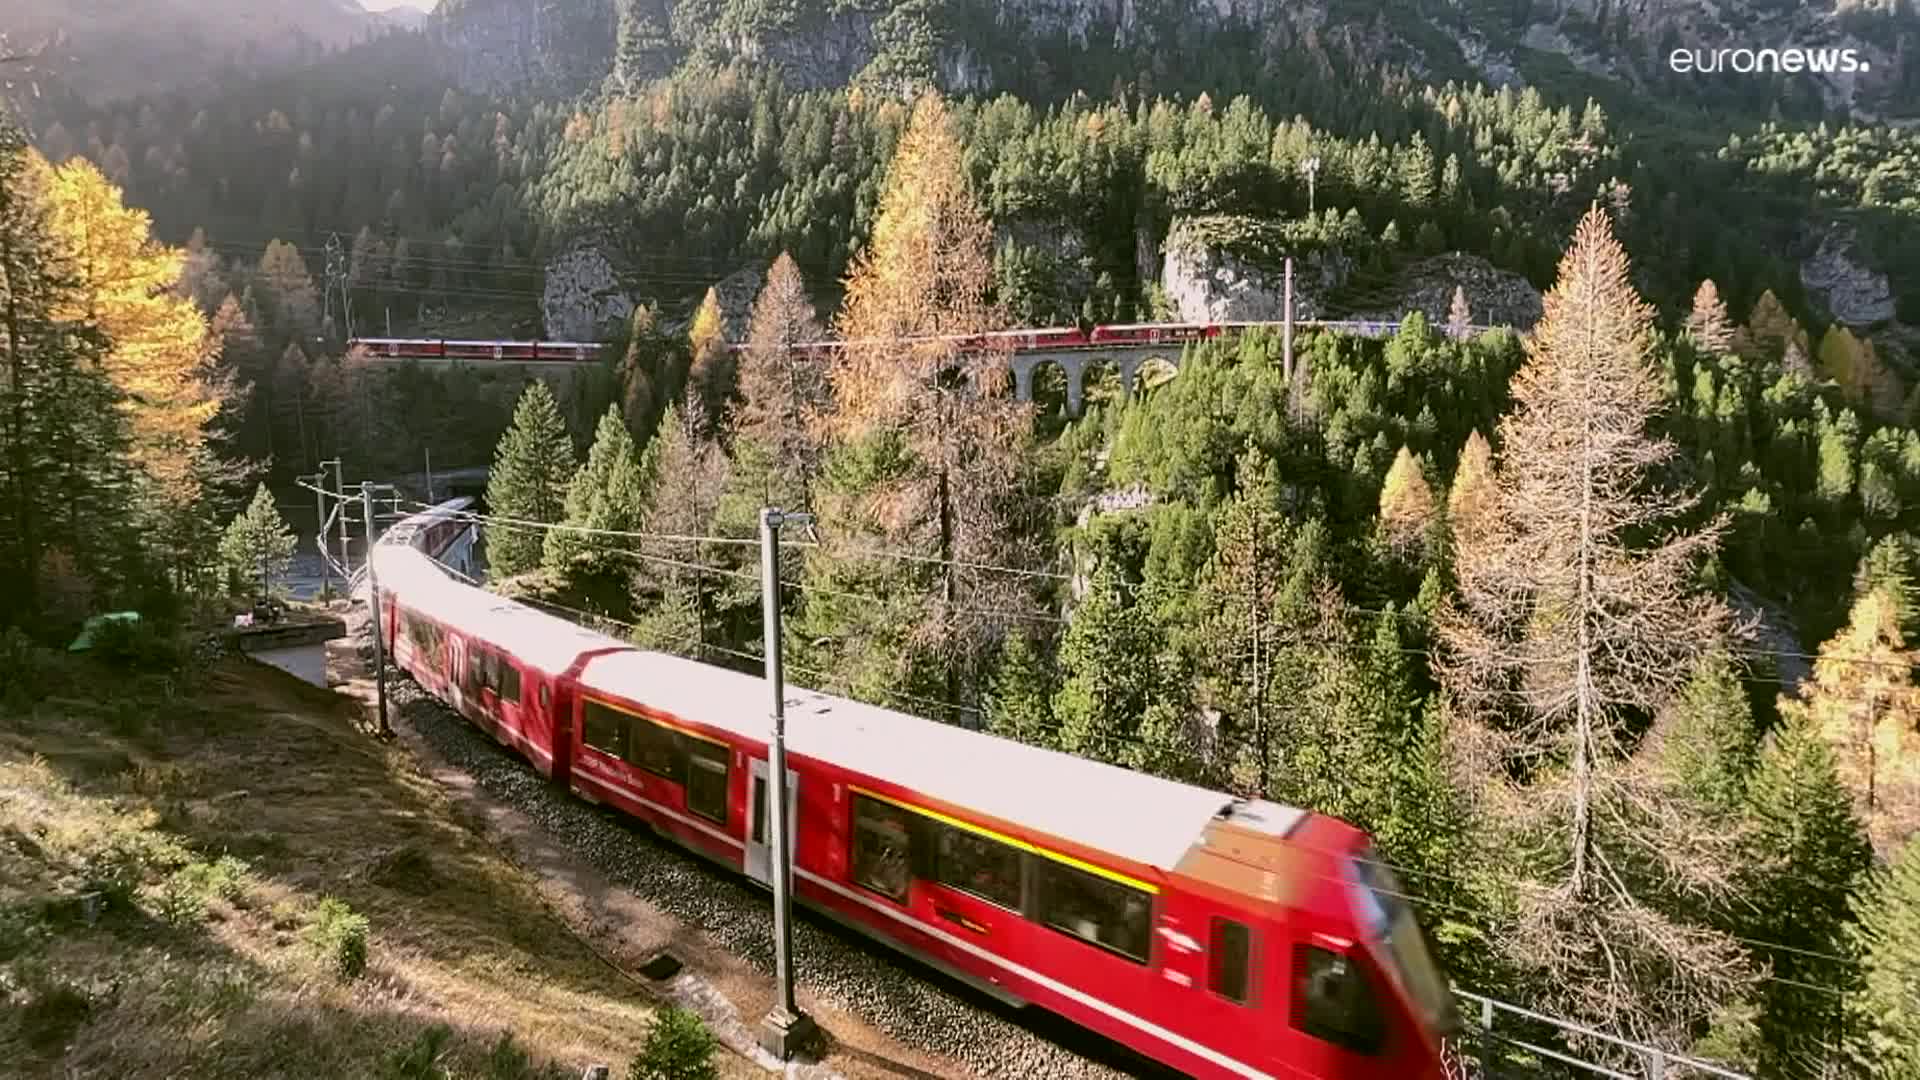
(20, 930)
(184, 897)
(340, 935)
(678, 1048)
(420, 1059)
(136, 646)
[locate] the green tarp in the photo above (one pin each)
(92, 628)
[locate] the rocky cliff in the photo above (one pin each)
(982, 45)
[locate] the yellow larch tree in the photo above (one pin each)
(1406, 503)
(157, 339)
(1862, 700)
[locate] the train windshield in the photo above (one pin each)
(1403, 948)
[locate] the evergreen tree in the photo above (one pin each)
(532, 467)
(1706, 738)
(611, 493)
(1109, 663)
(1019, 697)
(1239, 634)
(1807, 857)
(1886, 1025)
(681, 605)
(258, 545)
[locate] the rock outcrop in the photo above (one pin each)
(1207, 281)
(1853, 294)
(1495, 297)
(584, 298)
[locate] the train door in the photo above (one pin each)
(759, 858)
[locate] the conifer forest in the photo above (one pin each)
(1591, 591)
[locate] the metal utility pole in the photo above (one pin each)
(373, 608)
(1286, 331)
(785, 1027)
(1311, 167)
(320, 528)
(340, 509)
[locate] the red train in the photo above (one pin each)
(1221, 936)
(1068, 337)
(435, 349)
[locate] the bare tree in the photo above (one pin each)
(1577, 614)
(1707, 323)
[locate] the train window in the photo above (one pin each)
(1227, 959)
(975, 864)
(604, 729)
(1332, 1001)
(546, 699)
(1106, 913)
(707, 779)
(507, 680)
(882, 847)
(657, 750)
(476, 670)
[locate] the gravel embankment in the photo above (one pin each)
(861, 977)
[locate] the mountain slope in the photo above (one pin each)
(111, 48)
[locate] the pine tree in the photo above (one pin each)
(1239, 638)
(258, 545)
(1407, 508)
(1459, 315)
(1886, 1023)
(1807, 856)
(680, 605)
(1706, 739)
(611, 493)
(1707, 324)
(292, 300)
(1108, 662)
(532, 467)
(1577, 610)
(1019, 702)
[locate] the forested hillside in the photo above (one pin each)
(1599, 624)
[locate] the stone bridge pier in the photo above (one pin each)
(1075, 362)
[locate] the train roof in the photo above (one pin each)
(1132, 815)
(540, 640)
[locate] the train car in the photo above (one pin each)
(1153, 333)
(397, 348)
(1221, 936)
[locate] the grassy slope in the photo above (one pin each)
(244, 763)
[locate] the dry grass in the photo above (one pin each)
(137, 790)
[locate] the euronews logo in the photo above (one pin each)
(1791, 61)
